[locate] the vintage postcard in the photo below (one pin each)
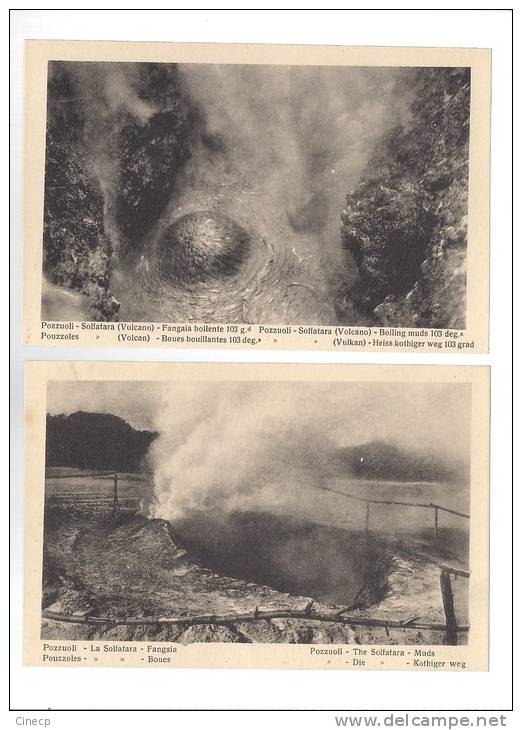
(257, 516)
(286, 197)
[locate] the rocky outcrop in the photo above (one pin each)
(76, 250)
(116, 142)
(405, 224)
(150, 154)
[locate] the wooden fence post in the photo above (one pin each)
(116, 504)
(367, 530)
(436, 525)
(449, 609)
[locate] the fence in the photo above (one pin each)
(435, 507)
(89, 497)
(137, 478)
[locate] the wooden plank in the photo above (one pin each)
(456, 571)
(449, 609)
(99, 475)
(116, 504)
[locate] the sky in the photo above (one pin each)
(413, 414)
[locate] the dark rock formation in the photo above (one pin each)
(117, 138)
(76, 250)
(150, 154)
(406, 222)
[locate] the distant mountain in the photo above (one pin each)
(95, 441)
(382, 460)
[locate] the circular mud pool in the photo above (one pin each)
(202, 245)
(328, 564)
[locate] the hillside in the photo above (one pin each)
(95, 441)
(381, 460)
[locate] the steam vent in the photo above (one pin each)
(202, 245)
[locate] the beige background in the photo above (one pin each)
(475, 654)
(38, 53)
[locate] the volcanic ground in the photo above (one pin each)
(131, 566)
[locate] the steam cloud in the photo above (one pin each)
(276, 148)
(298, 136)
(311, 127)
(263, 446)
(308, 129)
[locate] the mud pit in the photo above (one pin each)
(200, 245)
(265, 272)
(328, 564)
(138, 567)
(316, 170)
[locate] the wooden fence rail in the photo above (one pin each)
(250, 616)
(114, 475)
(451, 628)
(424, 505)
(98, 475)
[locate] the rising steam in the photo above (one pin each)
(274, 148)
(266, 446)
(298, 138)
(307, 129)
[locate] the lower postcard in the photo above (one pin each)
(263, 516)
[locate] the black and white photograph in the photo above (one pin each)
(261, 388)
(257, 512)
(255, 193)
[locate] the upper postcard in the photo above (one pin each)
(232, 196)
